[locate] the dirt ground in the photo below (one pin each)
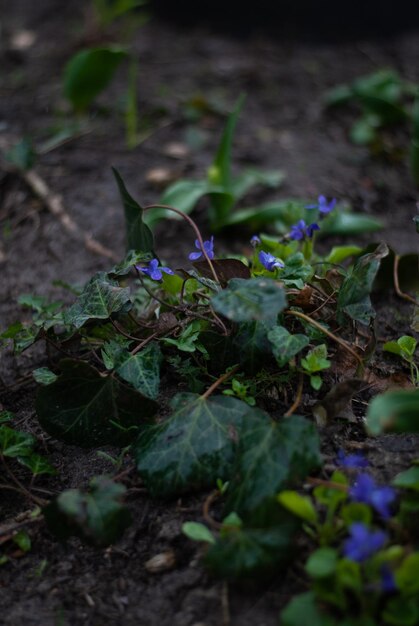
(283, 125)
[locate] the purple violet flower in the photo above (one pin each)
(154, 270)
(323, 205)
(379, 498)
(300, 230)
(270, 262)
(208, 247)
(363, 542)
(255, 241)
(351, 461)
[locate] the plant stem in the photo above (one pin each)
(298, 397)
(195, 228)
(327, 332)
(397, 289)
(219, 382)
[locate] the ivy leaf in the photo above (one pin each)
(86, 408)
(142, 370)
(88, 73)
(139, 235)
(37, 464)
(354, 294)
(252, 345)
(97, 517)
(394, 411)
(284, 345)
(14, 443)
(100, 298)
(246, 552)
(133, 257)
(271, 457)
(193, 448)
(246, 300)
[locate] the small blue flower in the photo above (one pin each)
(380, 498)
(270, 262)
(154, 270)
(255, 241)
(351, 461)
(363, 542)
(208, 247)
(323, 205)
(300, 230)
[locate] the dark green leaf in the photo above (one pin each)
(248, 300)
(142, 370)
(394, 411)
(193, 448)
(86, 408)
(364, 130)
(14, 443)
(132, 258)
(88, 73)
(271, 457)
(22, 336)
(250, 552)
(284, 213)
(37, 464)
(139, 236)
(97, 517)
(284, 345)
(354, 294)
(303, 610)
(402, 611)
(100, 298)
(252, 345)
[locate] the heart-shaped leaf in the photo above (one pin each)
(139, 236)
(271, 457)
(141, 370)
(97, 517)
(354, 294)
(86, 408)
(193, 448)
(100, 298)
(246, 300)
(14, 443)
(284, 345)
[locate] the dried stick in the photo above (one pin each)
(397, 289)
(298, 397)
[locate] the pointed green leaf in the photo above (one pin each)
(246, 300)
(198, 532)
(322, 563)
(251, 177)
(354, 294)
(299, 505)
(341, 223)
(183, 195)
(220, 172)
(193, 448)
(88, 73)
(271, 457)
(142, 370)
(408, 479)
(139, 235)
(100, 298)
(284, 345)
(86, 408)
(97, 517)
